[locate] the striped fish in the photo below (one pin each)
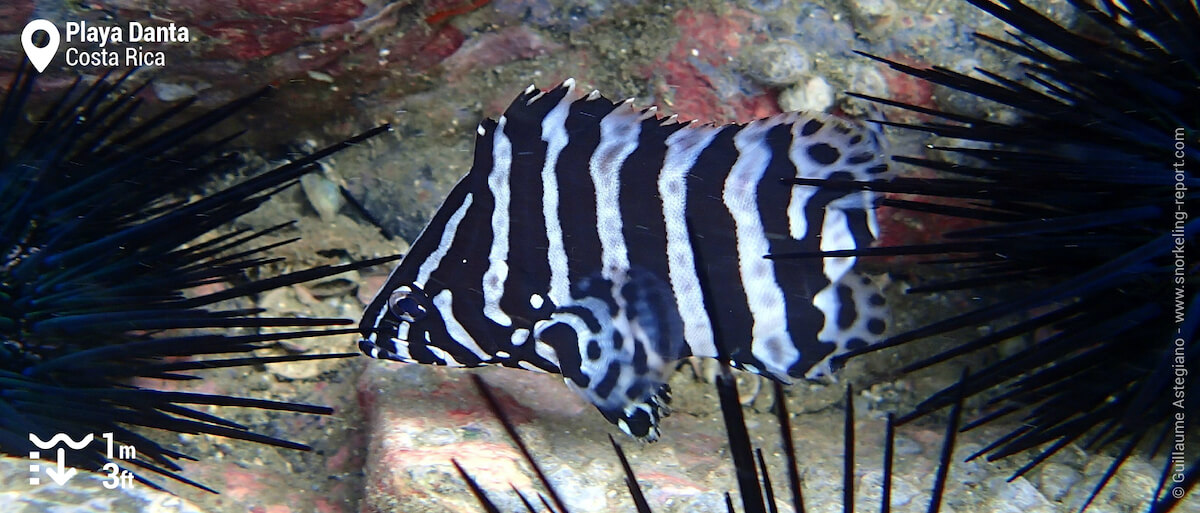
(565, 249)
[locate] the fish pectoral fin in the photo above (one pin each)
(616, 343)
(639, 418)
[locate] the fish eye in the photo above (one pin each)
(405, 303)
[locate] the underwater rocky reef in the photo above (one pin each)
(433, 69)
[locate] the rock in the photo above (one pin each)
(83, 493)
(319, 76)
(971, 472)
(1055, 480)
(814, 95)
(779, 63)
(300, 370)
(323, 195)
(1106, 501)
(1139, 479)
(696, 80)
(370, 286)
(583, 493)
(281, 301)
(905, 494)
(873, 18)
(420, 417)
(336, 285)
(764, 6)
(905, 446)
(865, 78)
(490, 50)
(175, 91)
(1017, 496)
(907, 89)
(827, 35)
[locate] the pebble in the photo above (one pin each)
(1017, 496)
(497, 48)
(281, 301)
(579, 490)
(336, 285)
(1138, 482)
(873, 18)
(827, 35)
(707, 502)
(323, 195)
(814, 95)
(319, 76)
(905, 446)
(973, 471)
(1097, 466)
(903, 493)
(437, 436)
(764, 6)
(1106, 500)
(1055, 480)
(865, 78)
(304, 369)
(172, 91)
(777, 64)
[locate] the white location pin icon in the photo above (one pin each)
(40, 57)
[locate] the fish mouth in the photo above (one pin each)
(384, 336)
(368, 348)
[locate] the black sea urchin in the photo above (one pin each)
(1088, 204)
(100, 247)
